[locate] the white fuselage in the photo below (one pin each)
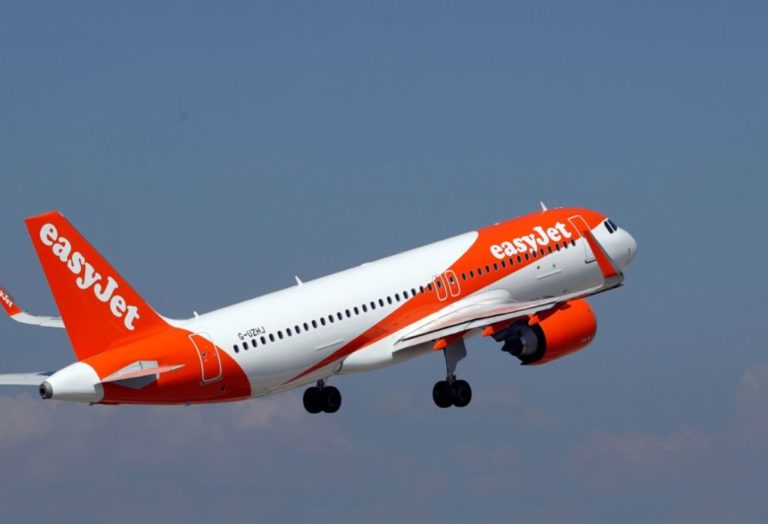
(271, 366)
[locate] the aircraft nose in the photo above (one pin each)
(629, 248)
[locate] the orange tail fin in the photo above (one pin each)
(98, 307)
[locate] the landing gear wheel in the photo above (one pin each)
(461, 393)
(441, 394)
(312, 400)
(331, 399)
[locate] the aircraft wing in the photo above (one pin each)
(23, 379)
(19, 315)
(482, 310)
(498, 306)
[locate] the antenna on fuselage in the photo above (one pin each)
(298, 281)
(543, 206)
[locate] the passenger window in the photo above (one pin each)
(339, 316)
(463, 276)
(487, 269)
(280, 335)
(253, 342)
(306, 327)
(479, 271)
(245, 345)
(271, 337)
(405, 294)
(389, 300)
(381, 302)
(322, 321)
(349, 314)
(413, 292)
(471, 273)
(527, 257)
(288, 332)
(236, 348)
(296, 328)
(330, 319)
(263, 340)
(421, 289)
(365, 309)
(314, 324)
(357, 311)
(373, 305)
(397, 297)
(519, 259)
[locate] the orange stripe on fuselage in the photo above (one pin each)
(172, 347)
(479, 255)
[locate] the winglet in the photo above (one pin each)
(19, 315)
(10, 306)
(611, 273)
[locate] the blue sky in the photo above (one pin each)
(212, 151)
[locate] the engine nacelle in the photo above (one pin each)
(556, 334)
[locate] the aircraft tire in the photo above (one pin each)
(441, 394)
(461, 393)
(331, 399)
(312, 400)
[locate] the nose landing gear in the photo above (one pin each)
(452, 392)
(322, 398)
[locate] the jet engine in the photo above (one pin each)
(552, 335)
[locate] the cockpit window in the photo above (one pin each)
(610, 225)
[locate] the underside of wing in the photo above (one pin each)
(482, 310)
(24, 379)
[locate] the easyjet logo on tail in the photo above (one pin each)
(87, 277)
(525, 243)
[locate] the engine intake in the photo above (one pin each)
(561, 332)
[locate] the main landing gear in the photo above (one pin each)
(322, 398)
(452, 392)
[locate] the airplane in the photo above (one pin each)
(522, 282)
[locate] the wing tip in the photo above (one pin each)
(9, 304)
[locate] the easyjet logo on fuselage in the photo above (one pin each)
(539, 237)
(88, 277)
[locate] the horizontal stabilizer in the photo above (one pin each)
(14, 311)
(138, 371)
(24, 379)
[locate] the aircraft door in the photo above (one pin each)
(441, 289)
(208, 353)
(579, 224)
